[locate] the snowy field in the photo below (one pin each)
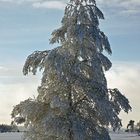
(11, 136)
(124, 136)
(19, 136)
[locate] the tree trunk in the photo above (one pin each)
(70, 115)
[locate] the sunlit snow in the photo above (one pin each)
(114, 136)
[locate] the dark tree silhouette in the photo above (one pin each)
(138, 128)
(131, 126)
(7, 128)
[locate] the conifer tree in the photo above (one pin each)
(73, 102)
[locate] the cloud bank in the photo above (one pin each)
(14, 87)
(125, 77)
(50, 5)
(127, 7)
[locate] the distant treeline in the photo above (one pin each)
(8, 128)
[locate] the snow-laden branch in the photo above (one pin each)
(34, 61)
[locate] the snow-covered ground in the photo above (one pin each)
(121, 136)
(124, 136)
(11, 136)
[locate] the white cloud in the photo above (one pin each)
(12, 94)
(14, 87)
(125, 77)
(19, 1)
(3, 68)
(129, 7)
(50, 5)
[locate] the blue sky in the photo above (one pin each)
(26, 26)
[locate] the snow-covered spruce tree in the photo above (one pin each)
(74, 102)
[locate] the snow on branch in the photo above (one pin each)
(28, 111)
(119, 100)
(34, 61)
(105, 62)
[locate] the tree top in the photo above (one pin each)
(77, 2)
